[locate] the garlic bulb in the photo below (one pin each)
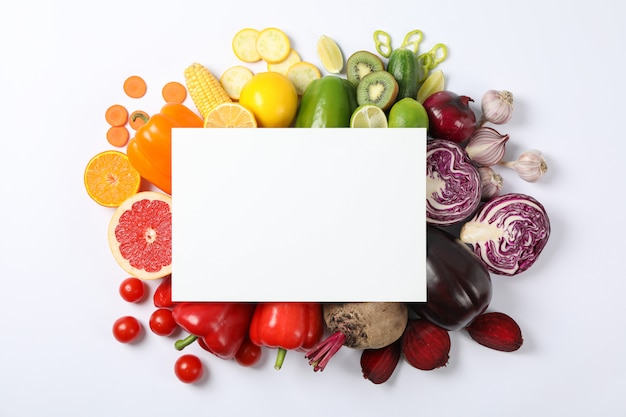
(486, 146)
(530, 165)
(492, 183)
(497, 107)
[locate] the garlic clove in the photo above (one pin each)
(491, 183)
(530, 165)
(486, 146)
(497, 107)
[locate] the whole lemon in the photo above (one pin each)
(272, 98)
(408, 112)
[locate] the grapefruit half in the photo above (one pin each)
(140, 235)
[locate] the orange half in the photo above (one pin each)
(110, 178)
(230, 115)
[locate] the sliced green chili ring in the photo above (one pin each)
(412, 40)
(438, 53)
(382, 41)
(424, 62)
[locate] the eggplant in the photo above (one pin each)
(457, 280)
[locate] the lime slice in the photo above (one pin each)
(330, 55)
(368, 115)
(434, 83)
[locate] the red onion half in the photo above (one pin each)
(453, 183)
(508, 233)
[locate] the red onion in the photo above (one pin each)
(508, 233)
(453, 184)
(449, 116)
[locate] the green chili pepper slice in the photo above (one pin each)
(412, 40)
(382, 41)
(438, 53)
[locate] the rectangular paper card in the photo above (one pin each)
(328, 215)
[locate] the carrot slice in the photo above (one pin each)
(135, 86)
(174, 92)
(118, 136)
(137, 119)
(116, 115)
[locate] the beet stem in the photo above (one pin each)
(320, 355)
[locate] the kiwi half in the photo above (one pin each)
(379, 88)
(361, 63)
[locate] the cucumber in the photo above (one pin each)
(404, 67)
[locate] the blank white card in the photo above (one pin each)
(330, 215)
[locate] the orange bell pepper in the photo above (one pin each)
(150, 151)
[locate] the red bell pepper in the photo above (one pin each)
(163, 294)
(287, 326)
(221, 326)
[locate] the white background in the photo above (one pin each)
(317, 207)
(63, 64)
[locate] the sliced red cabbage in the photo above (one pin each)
(453, 184)
(508, 233)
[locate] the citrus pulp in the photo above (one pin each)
(110, 178)
(140, 235)
(368, 115)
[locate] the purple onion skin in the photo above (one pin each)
(458, 283)
(508, 233)
(450, 116)
(454, 186)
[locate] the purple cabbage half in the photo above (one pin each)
(508, 233)
(453, 183)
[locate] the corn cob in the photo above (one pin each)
(204, 88)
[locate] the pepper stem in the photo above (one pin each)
(183, 343)
(280, 358)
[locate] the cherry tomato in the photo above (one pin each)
(272, 98)
(132, 289)
(126, 329)
(248, 354)
(162, 322)
(188, 368)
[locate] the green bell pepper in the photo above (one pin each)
(327, 102)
